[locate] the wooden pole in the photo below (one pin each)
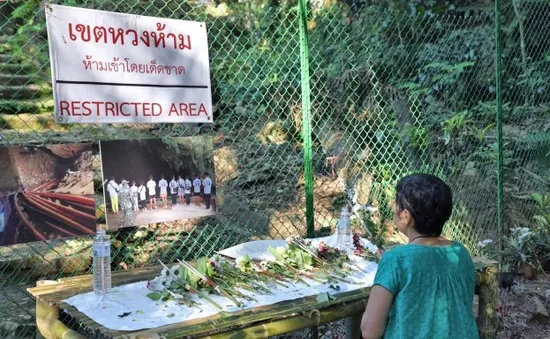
(295, 323)
(487, 320)
(47, 319)
(353, 326)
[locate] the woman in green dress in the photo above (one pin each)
(424, 289)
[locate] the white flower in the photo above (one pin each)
(165, 273)
(174, 271)
(369, 246)
(281, 250)
(366, 208)
(242, 260)
(216, 261)
(239, 260)
(155, 285)
(262, 266)
(521, 232)
(524, 235)
(484, 243)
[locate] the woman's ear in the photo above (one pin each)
(407, 218)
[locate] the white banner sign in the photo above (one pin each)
(121, 68)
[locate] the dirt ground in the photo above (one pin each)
(525, 309)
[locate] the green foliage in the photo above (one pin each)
(489, 154)
(481, 133)
(522, 251)
(377, 231)
(455, 124)
(542, 217)
(525, 250)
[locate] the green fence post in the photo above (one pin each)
(500, 174)
(306, 116)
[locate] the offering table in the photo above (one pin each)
(260, 322)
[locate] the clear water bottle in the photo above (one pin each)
(101, 249)
(2, 223)
(343, 231)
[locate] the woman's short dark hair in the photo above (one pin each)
(428, 199)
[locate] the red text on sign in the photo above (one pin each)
(105, 108)
(129, 109)
(187, 109)
(119, 36)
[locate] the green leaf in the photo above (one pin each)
(324, 297)
(155, 296)
(541, 219)
(201, 265)
(171, 315)
(276, 254)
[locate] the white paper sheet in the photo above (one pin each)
(146, 313)
(257, 250)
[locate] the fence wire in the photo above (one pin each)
(396, 87)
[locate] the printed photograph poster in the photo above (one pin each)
(46, 193)
(112, 67)
(157, 180)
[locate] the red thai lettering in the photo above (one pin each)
(117, 36)
(126, 67)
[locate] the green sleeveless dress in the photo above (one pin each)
(433, 290)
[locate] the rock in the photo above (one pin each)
(274, 132)
(470, 170)
(47, 260)
(226, 165)
(245, 218)
(34, 165)
(68, 151)
(540, 316)
(84, 161)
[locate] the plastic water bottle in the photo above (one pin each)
(2, 223)
(101, 249)
(343, 231)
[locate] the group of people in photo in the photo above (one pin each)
(181, 190)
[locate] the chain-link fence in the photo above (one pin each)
(394, 87)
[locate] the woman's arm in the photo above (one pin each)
(375, 317)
